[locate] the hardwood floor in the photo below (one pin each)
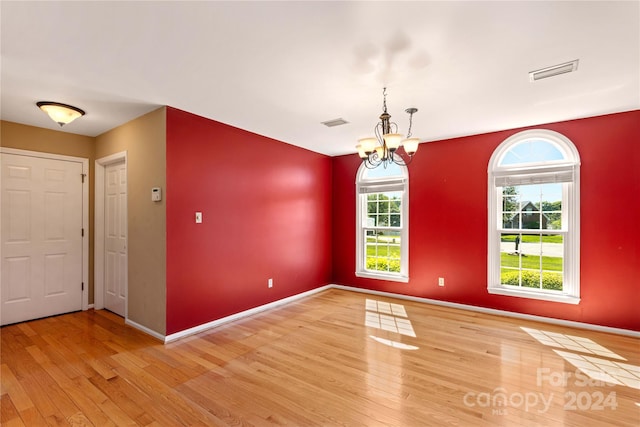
(336, 358)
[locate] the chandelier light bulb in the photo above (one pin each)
(368, 144)
(411, 145)
(393, 141)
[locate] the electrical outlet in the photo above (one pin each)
(440, 281)
(270, 283)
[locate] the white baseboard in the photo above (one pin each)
(218, 322)
(144, 329)
(210, 325)
(551, 320)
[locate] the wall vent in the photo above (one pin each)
(554, 70)
(335, 122)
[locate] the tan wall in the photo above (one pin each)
(15, 135)
(144, 140)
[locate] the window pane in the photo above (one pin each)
(391, 170)
(510, 276)
(381, 194)
(384, 209)
(532, 260)
(531, 151)
(510, 199)
(383, 250)
(551, 203)
(552, 281)
(394, 195)
(532, 207)
(531, 216)
(510, 207)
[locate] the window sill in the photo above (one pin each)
(563, 298)
(382, 276)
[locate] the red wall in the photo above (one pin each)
(275, 210)
(267, 214)
(448, 223)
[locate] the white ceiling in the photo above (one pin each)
(279, 69)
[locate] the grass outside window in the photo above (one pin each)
(383, 253)
(529, 271)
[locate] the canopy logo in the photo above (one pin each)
(499, 400)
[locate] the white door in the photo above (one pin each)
(115, 239)
(41, 234)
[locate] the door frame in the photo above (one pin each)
(98, 245)
(85, 208)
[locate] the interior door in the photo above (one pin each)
(41, 237)
(115, 218)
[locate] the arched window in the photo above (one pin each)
(382, 229)
(534, 217)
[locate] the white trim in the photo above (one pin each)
(391, 277)
(98, 237)
(560, 141)
(545, 296)
(42, 155)
(382, 184)
(145, 329)
(85, 208)
(570, 222)
(493, 311)
(236, 316)
(211, 325)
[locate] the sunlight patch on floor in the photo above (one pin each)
(597, 368)
(394, 344)
(389, 317)
(570, 342)
(385, 307)
(609, 371)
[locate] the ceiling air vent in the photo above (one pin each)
(555, 70)
(335, 122)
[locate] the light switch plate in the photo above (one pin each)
(198, 217)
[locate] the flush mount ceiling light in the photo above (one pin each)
(62, 114)
(383, 148)
(554, 70)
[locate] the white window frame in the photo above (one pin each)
(568, 172)
(367, 186)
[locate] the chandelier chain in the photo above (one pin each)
(384, 99)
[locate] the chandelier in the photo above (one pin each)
(383, 148)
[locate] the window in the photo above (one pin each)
(382, 209)
(534, 217)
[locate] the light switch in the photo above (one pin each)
(156, 194)
(198, 217)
